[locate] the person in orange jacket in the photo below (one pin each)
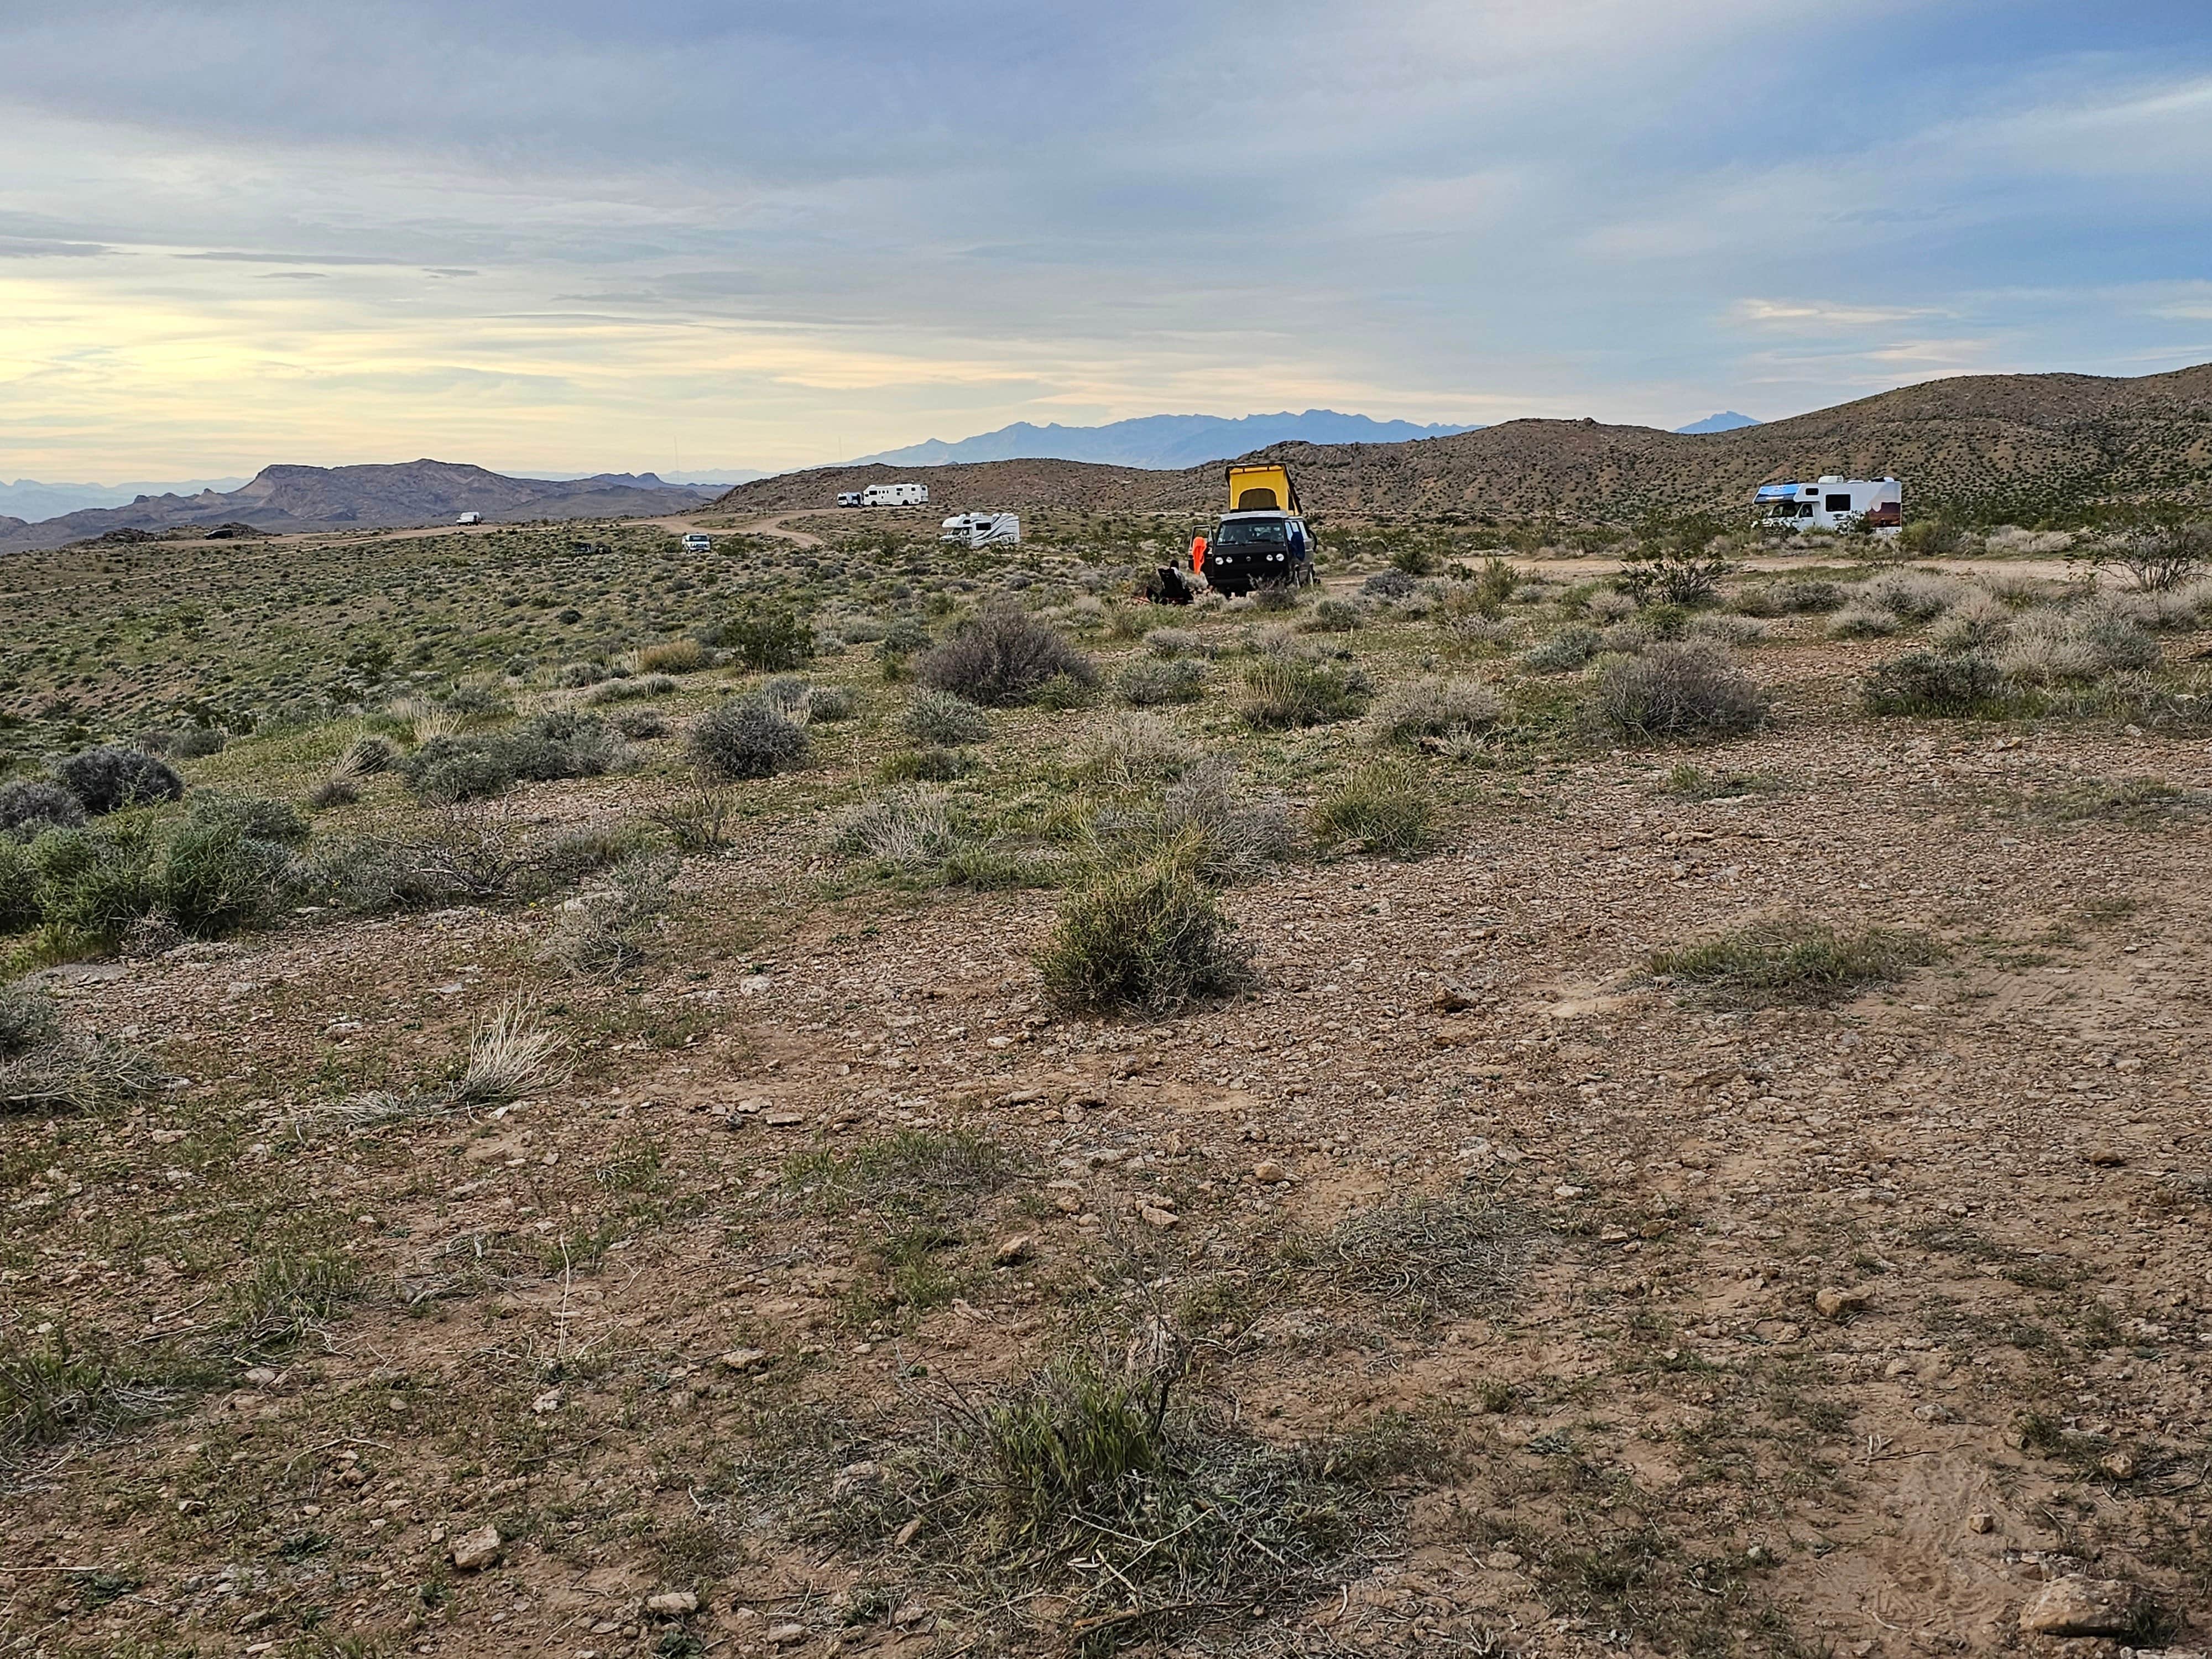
(1197, 555)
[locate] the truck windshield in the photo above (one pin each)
(1251, 532)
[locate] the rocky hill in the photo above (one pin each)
(2022, 446)
(282, 498)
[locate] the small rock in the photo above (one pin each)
(2078, 1605)
(744, 1359)
(1014, 1249)
(855, 1476)
(1981, 1521)
(548, 1401)
(784, 1120)
(2119, 1465)
(784, 1635)
(906, 1534)
(1068, 1203)
(673, 1604)
(1267, 1171)
(1833, 1303)
(1504, 1561)
(753, 985)
(473, 1551)
(1155, 1216)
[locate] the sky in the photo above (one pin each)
(560, 235)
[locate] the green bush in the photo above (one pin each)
(1688, 690)
(1146, 936)
(1792, 959)
(28, 1020)
(215, 878)
(769, 639)
(1933, 683)
(562, 743)
(1383, 809)
(747, 737)
(1571, 647)
(1149, 682)
(1283, 691)
(95, 882)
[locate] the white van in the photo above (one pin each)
(1830, 503)
(698, 543)
(897, 494)
(982, 529)
(849, 498)
(469, 518)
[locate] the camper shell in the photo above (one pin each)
(982, 529)
(1262, 540)
(1830, 503)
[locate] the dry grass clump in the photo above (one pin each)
(46, 1068)
(927, 1172)
(2083, 643)
(1233, 835)
(605, 933)
(511, 1055)
(910, 831)
(1431, 1255)
(1173, 642)
(685, 656)
(1146, 936)
(941, 719)
(1912, 596)
(1131, 748)
(1571, 647)
(1678, 691)
(1384, 808)
(1282, 691)
(1794, 958)
(1429, 708)
(1933, 683)
(1976, 623)
(1148, 683)
(1861, 621)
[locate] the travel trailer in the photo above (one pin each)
(897, 494)
(1832, 503)
(982, 529)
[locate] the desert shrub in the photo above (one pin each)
(769, 639)
(1431, 707)
(1275, 597)
(1064, 691)
(1146, 936)
(827, 705)
(901, 639)
(1792, 959)
(747, 737)
(605, 931)
(1678, 691)
(28, 1020)
(2161, 558)
(683, 656)
(1175, 643)
(1810, 596)
(1283, 691)
(18, 887)
(562, 743)
(96, 881)
(1334, 616)
(1861, 621)
(1003, 655)
(474, 704)
(255, 815)
(215, 877)
(1610, 604)
(446, 769)
(940, 719)
(1132, 748)
(1571, 647)
(1230, 836)
(184, 741)
(1384, 808)
(573, 675)
(70, 1072)
(641, 724)
(1148, 683)
(1930, 538)
(28, 806)
(1396, 584)
(630, 688)
(910, 831)
(788, 694)
(370, 755)
(108, 778)
(1721, 629)
(570, 854)
(1977, 622)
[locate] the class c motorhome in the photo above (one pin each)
(1830, 503)
(982, 529)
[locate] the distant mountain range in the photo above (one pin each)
(1158, 442)
(285, 498)
(1727, 421)
(27, 498)
(2023, 444)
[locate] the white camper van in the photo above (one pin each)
(1832, 503)
(849, 498)
(469, 518)
(897, 494)
(982, 529)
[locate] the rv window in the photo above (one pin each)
(1839, 504)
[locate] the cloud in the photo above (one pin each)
(289, 258)
(28, 247)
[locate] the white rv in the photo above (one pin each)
(1832, 503)
(897, 494)
(982, 529)
(469, 518)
